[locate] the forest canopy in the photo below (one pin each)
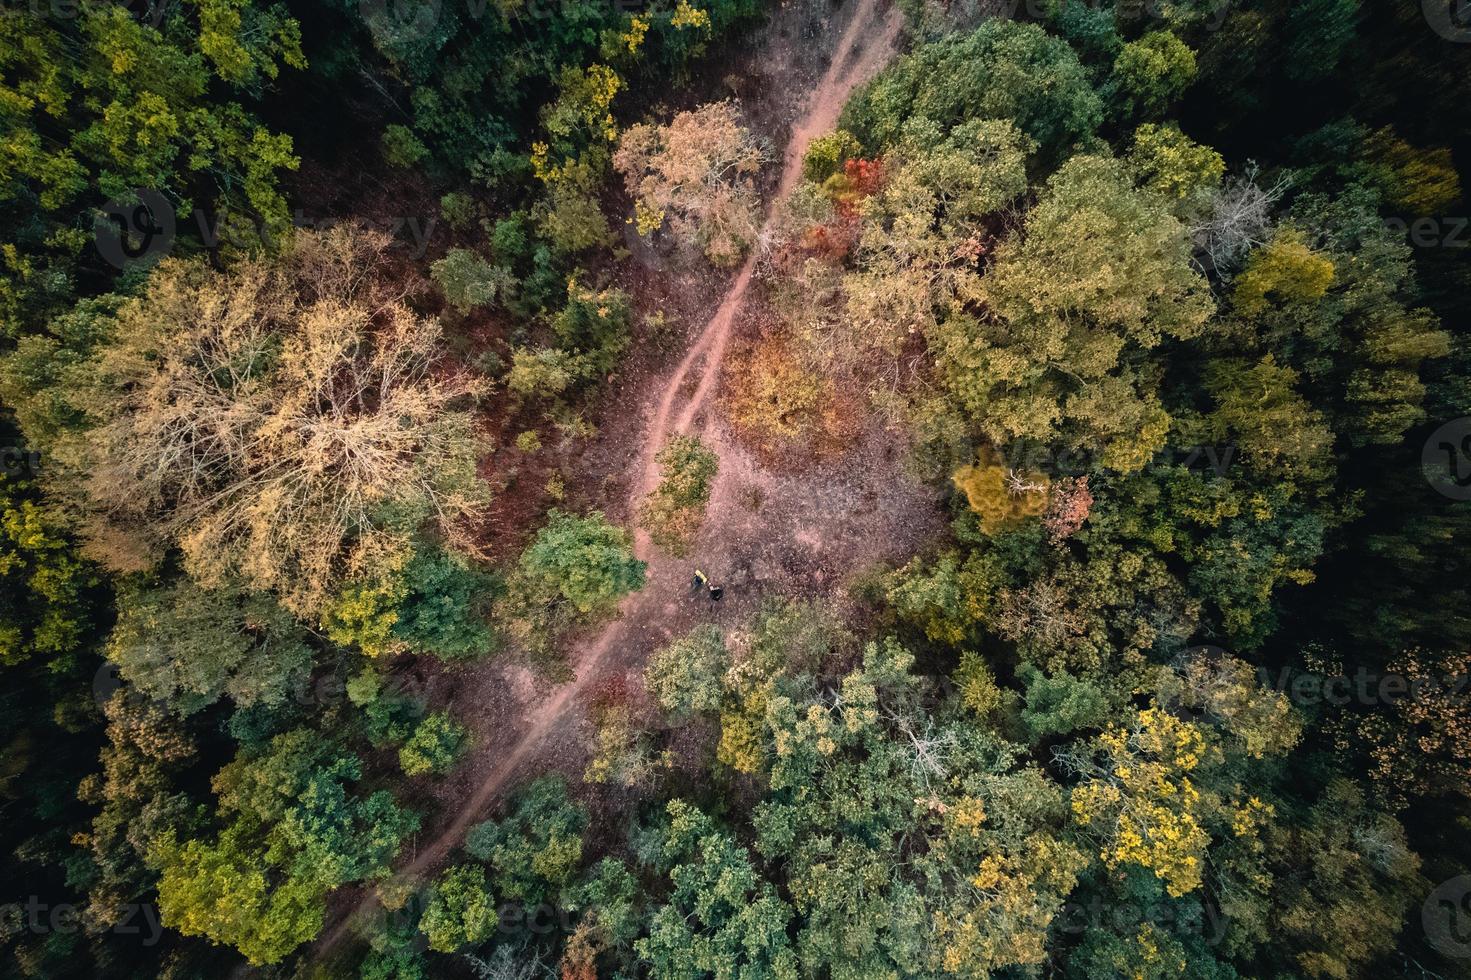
(735, 490)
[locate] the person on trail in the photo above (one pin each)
(702, 581)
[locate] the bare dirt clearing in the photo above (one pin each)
(801, 532)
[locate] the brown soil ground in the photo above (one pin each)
(794, 531)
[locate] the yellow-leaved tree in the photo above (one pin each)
(285, 422)
(698, 173)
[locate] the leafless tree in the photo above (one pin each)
(1019, 482)
(929, 751)
(1041, 614)
(506, 964)
(1239, 219)
(1382, 843)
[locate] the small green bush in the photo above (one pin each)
(458, 209)
(673, 512)
(468, 280)
(401, 148)
(435, 746)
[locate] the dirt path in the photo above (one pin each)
(864, 47)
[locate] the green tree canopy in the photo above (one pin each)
(579, 563)
(187, 646)
(1101, 277)
(293, 833)
(1002, 70)
(1153, 72)
(687, 676)
(105, 102)
(534, 851)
